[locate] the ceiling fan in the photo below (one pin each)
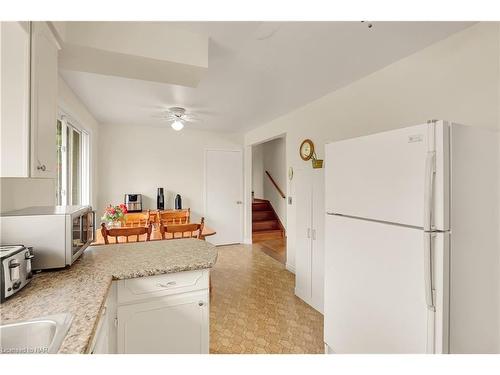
(178, 117)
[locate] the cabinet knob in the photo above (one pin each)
(42, 168)
(201, 303)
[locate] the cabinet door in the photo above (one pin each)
(14, 98)
(101, 345)
(318, 237)
(100, 341)
(44, 50)
(176, 324)
(303, 214)
(111, 304)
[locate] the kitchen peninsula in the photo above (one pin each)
(126, 298)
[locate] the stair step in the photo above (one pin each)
(263, 215)
(260, 206)
(265, 225)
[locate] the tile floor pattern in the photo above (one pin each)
(254, 309)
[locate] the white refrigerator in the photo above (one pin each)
(412, 245)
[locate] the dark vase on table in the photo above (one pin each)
(160, 200)
(178, 202)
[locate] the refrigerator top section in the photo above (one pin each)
(388, 176)
(48, 210)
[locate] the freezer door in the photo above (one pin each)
(375, 299)
(390, 176)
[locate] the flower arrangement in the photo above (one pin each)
(114, 213)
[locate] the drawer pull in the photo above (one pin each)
(167, 285)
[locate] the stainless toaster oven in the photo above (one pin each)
(15, 269)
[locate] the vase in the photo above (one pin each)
(114, 224)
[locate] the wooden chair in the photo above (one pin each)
(135, 219)
(191, 230)
(152, 217)
(174, 216)
(125, 232)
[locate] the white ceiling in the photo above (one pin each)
(258, 71)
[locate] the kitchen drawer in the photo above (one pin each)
(141, 288)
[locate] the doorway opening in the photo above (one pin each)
(269, 198)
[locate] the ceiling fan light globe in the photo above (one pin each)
(177, 125)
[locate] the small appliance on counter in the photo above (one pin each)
(133, 202)
(178, 202)
(59, 234)
(160, 200)
(15, 271)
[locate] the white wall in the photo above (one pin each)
(258, 171)
(71, 104)
(17, 193)
(136, 159)
(274, 154)
(455, 79)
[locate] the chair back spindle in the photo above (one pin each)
(191, 230)
(126, 232)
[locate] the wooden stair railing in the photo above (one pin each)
(276, 185)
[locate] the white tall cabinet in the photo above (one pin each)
(28, 100)
(309, 252)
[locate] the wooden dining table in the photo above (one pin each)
(155, 234)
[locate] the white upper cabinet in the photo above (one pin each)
(44, 49)
(28, 100)
(14, 98)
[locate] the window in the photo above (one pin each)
(72, 184)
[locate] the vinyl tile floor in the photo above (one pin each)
(253, 308)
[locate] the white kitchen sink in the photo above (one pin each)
(40, 335)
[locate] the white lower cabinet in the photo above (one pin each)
(176, 324)
(164, 314)
(104, 340)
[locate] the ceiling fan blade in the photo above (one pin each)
(190, 117)
(204, 112)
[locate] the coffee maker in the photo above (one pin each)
(133, 202)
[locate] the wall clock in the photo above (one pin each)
(306, 149)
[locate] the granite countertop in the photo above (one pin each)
(82, 288)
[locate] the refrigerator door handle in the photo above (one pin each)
(428, 270)
(430, 171)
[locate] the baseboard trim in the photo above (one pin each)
(290, 268)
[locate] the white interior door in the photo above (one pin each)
(224, 195)
(374, 288)
(303, 224)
